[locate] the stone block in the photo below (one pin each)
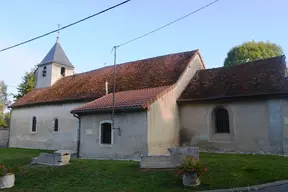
(160, 161)
(185, 151)
(58, 158)
(44, 159)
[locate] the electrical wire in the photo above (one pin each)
(66, 26)
(172, 22)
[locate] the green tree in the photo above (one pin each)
(3, 103)
(251, 51)
(27, 84)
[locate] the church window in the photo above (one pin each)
(56, 129)
(63, 71)
(221, 120)
(106, 133)
(44, 72)
(34, 124)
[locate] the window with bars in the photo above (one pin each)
(106, 133)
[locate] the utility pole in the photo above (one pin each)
(114, 89)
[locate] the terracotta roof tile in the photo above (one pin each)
(147, 73)
(134, 99)
(260, 77)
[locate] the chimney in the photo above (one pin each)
(106, 87)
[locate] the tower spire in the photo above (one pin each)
(58, 32)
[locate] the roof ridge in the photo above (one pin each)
(247, 63)
(130, 62)
(139, 89)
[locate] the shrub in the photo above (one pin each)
(191, 165)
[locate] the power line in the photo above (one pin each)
(66, 26)
(155, 30)
(172, 22)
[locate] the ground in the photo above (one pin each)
(224, 171)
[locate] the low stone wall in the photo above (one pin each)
(4, 136)
(169, 161)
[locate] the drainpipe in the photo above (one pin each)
(79, 132)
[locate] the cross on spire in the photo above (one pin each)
(58, 32)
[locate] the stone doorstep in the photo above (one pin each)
(251, 188)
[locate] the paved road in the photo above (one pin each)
(280, 188)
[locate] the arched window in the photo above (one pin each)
(34, 125)
(44, 71)
(56, 125)
(221, 120)
(106, 133)
(63, 71)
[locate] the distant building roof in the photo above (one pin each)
(126, 100)
(148, 73)
(57, 55)
(261, 77)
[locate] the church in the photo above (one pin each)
(160, 102)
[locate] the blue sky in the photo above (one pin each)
(213, 31)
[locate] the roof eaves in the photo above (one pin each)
(231, 97)
(52, 102)
(108, 110)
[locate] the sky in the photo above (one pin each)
(88, 45)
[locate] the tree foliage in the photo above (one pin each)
(27, 84)
(251, 51)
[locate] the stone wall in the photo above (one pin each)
(255, 126)
(163, 115)
(4, 135)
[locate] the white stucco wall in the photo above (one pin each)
(56, 72)
(254, 126)
(163, 116)
(53, 74)
(44, 81)
(129, 145)
(45, 137)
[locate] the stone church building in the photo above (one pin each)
(160, 102)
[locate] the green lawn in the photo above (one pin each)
(224, 171)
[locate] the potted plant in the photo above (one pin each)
(7, 176)
(191, 170)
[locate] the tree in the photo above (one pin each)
(251, 51)
(27, 84)
(3, 103)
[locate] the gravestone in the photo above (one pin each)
(58, 158)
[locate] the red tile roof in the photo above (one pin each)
(126, 100)
(147, 73)
(262, 77)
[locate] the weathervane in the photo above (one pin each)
(58, 32)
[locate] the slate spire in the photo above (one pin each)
(57, 55)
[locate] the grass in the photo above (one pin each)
(224, 171)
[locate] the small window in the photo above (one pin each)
(106, 133)
(34, 124)
(44, 72)
(56, 125)
(63, 71)
(221, 120)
